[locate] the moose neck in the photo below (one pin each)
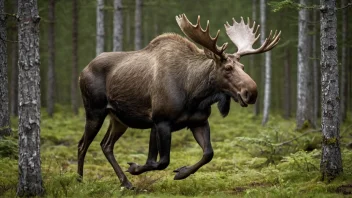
(202, 86)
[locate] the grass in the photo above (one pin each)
(250, 160)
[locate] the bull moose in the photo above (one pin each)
(167, 86)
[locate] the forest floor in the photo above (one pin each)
(249, 161)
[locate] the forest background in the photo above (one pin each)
(159, 17)
(263, 167)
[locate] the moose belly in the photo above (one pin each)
(133, 117)
(191, 120)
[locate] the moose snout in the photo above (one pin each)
(249, 96)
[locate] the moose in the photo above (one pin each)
(167, 86)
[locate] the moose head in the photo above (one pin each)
(230, 74)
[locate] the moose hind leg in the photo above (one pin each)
(151, 163)
(202, 136)
(115, 131)
(94, 121)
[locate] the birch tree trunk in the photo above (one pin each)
(74, 77)
(257, 70)
(14, 69)
(100, 27)
(303, 74)
(118, 26)
(331, 162)
(267, 84)
(138, 25)
(30, 178)
(4, 93)
(50, 99)
(343, 103)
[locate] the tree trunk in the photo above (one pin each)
(14, 69)
(287, 85)
(331, 162)
(100, 27)
(343, 102)
(303, 75)
(74, 77)
(51, 60)
(256, 108)
(118, 26)
(138, 25)
(30, 178)
(316, 71)
(4, 93)
(267, 84)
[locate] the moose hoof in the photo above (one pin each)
(127, 185)
(182, 173)
(133, 169)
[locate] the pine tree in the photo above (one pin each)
(331, 162)
(30, 178)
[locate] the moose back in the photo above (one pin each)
(167, 86)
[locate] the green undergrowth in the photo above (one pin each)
(249, 161)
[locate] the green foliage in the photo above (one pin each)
(279, 5)
(8, 147)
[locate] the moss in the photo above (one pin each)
(239, 168)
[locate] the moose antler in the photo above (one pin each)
(200, 36)
(244, 37)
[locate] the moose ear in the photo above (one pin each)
(211, 55)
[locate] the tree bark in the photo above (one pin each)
(343, 103)
(331, 162)
(100, 27)
(50, 98)
(14, 69)
(118, 26)
(138, 25)
(74, 77)
(267, 84)
(303, 74)
(304, 82)
(30, 178)
(4, 93)
(287, 85)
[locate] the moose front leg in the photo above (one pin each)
(202, 136)
(151, 163)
